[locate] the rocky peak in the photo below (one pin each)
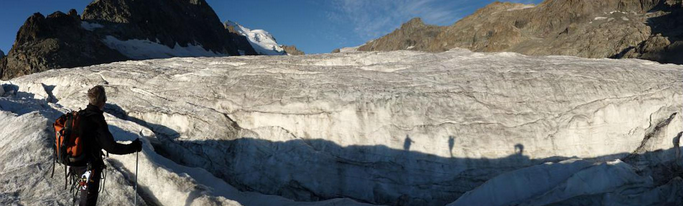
(55, 41)
(169, 22)
(2, 54)
(414, 22)
(414, 34)
(260, 40)
(243, 45)
(292, 50)
(102, 33)
(73, 13)
(39, 27)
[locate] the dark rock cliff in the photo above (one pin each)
(55, 41)
(69, 40)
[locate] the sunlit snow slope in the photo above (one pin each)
(396, 128)
(261, 40)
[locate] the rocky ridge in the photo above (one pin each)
(55, 41)
(241, 40)
(108, 29)
(292, 50)
(594, 29)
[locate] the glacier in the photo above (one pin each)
(393, 128)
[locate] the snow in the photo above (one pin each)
(400, 127)
(91, 26)
(262, 41)
(145, 49)
(522, 7)
(600, 18)
(349, 49)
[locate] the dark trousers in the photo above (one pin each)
(89, 196)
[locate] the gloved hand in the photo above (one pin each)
(137, 144)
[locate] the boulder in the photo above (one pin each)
(292, 50)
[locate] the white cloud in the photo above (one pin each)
(372, 19)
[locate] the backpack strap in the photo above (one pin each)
(68, 126)
(54, 160)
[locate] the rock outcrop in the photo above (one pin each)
(115, 30)
(413, 35)
(596, 29)
(292, 50)
(168, 22)
(55, 41)
(2, 54)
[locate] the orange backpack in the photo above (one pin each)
(69, 148)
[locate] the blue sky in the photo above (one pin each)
(314, 26)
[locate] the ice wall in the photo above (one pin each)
(388, 128)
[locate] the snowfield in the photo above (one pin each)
(145, 49)
(394, 128)
(261, 40)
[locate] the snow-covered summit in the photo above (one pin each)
(262, 41)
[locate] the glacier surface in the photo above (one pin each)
(395, 128)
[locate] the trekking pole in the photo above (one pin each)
(136, 178)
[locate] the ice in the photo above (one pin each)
(90, 26)
(400, 127)
(552, 183)
(522, 7)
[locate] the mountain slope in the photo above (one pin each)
(413, 35)
(595, 29)
(115, 30)
(262, 41)
(395, 128)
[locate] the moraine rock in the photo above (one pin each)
(596, 29)
(292, 50)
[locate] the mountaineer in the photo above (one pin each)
(81, 136)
